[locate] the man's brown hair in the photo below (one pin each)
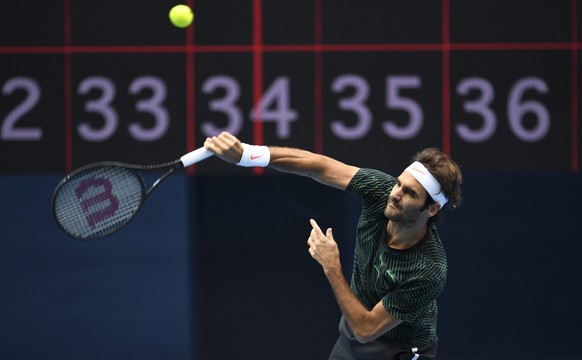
(447, 173)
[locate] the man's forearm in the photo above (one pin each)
(321, 168)
(366, 324)
(295, 161)
(350, 306)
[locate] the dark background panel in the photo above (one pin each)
(289, 22)
(123, 70)
(27, 78)
(375, 148)
(578, 125)
(255, 290)
(224, 22)
(127, 296)
(510, 21)
(504, 150)
(513, 267)
(377, 22)
(261, 295)
(32, 23)
(124, 22)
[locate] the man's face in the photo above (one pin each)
(406, 200)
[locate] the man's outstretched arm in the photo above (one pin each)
(321, 168)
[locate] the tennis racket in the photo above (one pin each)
(99, 199)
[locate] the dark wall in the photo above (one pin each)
(123, 297)
(513, 250)
(218, 268)
(514, 268)
(261, 293)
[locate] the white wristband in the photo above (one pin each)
(255, 155)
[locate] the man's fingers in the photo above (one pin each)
(316, 231)
(222, 143)
(213, 143)
(312, 246)
(329, 234)
(225, 146)
(229, 136)
(316, 227)
(208, 144)
(310, 241)
(313, 224)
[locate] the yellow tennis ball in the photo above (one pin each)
(181, 16)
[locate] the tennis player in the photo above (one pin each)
(390, 310)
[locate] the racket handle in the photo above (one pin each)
(195, 156)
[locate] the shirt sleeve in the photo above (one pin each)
(371, 185)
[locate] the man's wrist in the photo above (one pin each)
(255, 156)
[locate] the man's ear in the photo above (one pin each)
(433, 209)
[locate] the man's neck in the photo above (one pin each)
(403, 237)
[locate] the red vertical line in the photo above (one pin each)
(68, 89)
(190, 88)
(257, 75)
(446, 70)
(317, 78)
(574, 84)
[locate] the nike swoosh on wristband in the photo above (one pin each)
(255, 157)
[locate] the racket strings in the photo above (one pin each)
(98, 201)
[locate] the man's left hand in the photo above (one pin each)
(323, 247)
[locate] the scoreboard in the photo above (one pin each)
(370, 82)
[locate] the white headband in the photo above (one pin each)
(428, 182)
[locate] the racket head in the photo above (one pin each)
(97, 200)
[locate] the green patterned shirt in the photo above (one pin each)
(407, 282)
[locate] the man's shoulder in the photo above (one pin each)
(370, 179)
